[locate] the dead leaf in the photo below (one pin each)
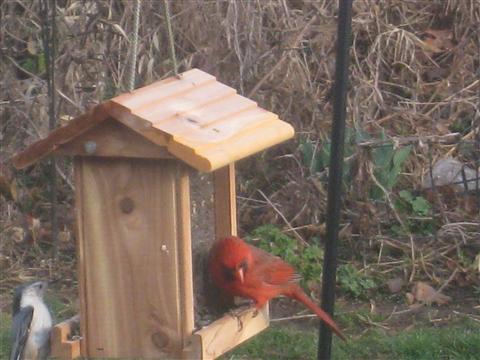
(437, 41)
(436, 74)
(395, 285)
(462, 279)
(426, 294)
(33, 227)
(415, 307)
(4, 262)
(470, 204)
(65, 119)
(64, 236)
(32, 47)
(8, 186)
(119, 30)
(345, 232)
(451, 265)
(410, 298)
(17, 234)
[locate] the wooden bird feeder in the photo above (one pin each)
(134, 156)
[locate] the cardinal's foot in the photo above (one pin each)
(236, 315)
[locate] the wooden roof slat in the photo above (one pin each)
(223, 131)
(220, 110)
(199, 118)
(247, 143)
(241, 122)
(210, 157)
(187, 101)
(163, 89)
(138, 124)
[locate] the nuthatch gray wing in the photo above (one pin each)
(31, 323)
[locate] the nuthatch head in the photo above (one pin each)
(31, 322)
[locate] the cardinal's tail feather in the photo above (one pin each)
(299, 294)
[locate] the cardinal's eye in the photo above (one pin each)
(228, 274)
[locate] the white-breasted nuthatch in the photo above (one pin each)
(31, 323)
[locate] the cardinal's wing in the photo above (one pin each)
(272, 269)
(20, 328)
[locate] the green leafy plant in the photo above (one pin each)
(353, 282)
(316, 154)
(462, 124)
(418, 205)
(35, 64)
(307, 260)
(388, 163)
(416, 209)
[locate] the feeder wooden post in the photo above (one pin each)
(225, 201)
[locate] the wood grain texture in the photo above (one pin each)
(133, 256)
(227, 332)
(184, 237)
(113, 139)
(164, 89)
(225, 209)
(225, 201)
(61, 346)
(80, 244)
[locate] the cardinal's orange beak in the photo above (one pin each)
(240, 274)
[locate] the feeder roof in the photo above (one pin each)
(196, 118)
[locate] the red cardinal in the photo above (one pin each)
(246, 271)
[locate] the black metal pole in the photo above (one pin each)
(49, 32)
(335, 173)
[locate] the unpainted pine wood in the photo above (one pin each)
(196, 97)
(167, 88)
(247, 143)
(212, 138)
(225, 202)
(207, 150)
(62, 135)
(138, 124)
(225, 210)
(133, 300)
(184, 236)
(224, 110)
(113, 139)
(227, 332)
(80, 245)
(61, 346)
